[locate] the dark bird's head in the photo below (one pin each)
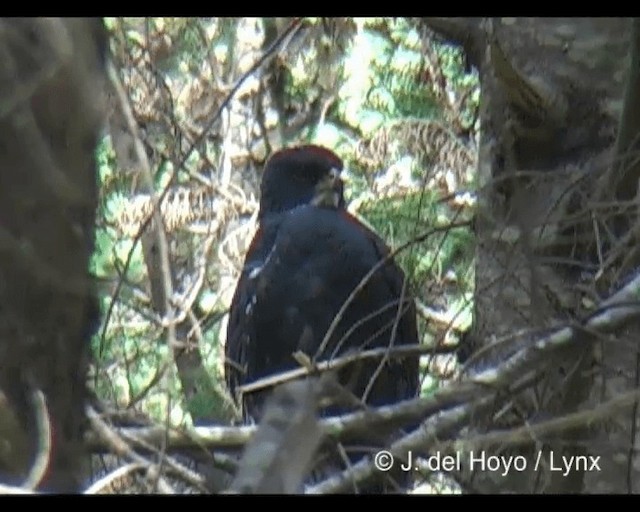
(301, 175)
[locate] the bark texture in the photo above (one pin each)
(51, 93)
(549, 247)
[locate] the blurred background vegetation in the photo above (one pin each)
(398, 106)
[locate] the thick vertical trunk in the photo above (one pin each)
(552, 97)
(51, 72)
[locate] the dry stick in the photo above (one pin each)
(9, 489)
(394, 331)
(176, 467)
(267, 54)
(184, 305)
(340, 362)
(441, 425)
(574, 420)
(374, 314)
(159, 231)
(528, 433)
(279, 455)
(99, 486)
(112, 439)
(234, 437)
(447, 407)
(157, 377)
(615, 311)
(618, 309)
(441, 319)
(211, 437)
(363, 282)
(41, 464)
(143, 161)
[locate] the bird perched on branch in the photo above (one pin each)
(308, 257)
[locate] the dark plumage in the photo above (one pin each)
(303, 263)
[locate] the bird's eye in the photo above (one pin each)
(334, 173)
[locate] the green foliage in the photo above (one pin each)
(189, 45)
(111, 249)
(402, 219)
(383, 81)
(360, 76)
(126, 359)
(399, 90)
(454, 66)
(108, 177)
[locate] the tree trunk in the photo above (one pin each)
(548, 246)
(51, 72)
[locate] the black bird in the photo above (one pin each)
(306, 259)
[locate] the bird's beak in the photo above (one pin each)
(329, 190)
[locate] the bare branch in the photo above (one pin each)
(340, 362)
(279, 456)
(445, 411)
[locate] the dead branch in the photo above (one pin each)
(341, 362)
(279, 456)
(444, 412)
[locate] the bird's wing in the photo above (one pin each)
(391, 273)
(299, 271)
(407, 370)
(241, 326)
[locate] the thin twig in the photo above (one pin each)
(103, 485)
(264, 58)
(367, 277)
(113, 439)
(340, 362)
(41, 464)
(615, 312)
(163, 247)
